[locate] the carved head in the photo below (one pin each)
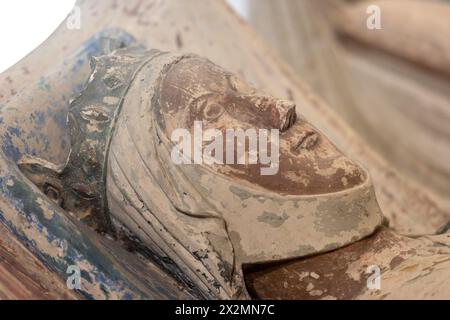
(317, 200)
(204, 222)
(195, 89)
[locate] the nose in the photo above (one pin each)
(278, 114)
(286, 114)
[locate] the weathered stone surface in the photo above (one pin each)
(39, 131)
(410, 269)
(24, 277)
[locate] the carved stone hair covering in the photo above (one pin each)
(150, 196)
(201, 224)
(208, 224)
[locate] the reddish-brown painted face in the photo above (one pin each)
(197, 90)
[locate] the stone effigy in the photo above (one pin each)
(202, 223)
(207, 221)
(113, 171)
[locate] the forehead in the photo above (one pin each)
(194, 84)
(193, 77)
(185, 83)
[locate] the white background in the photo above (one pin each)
(25, 24)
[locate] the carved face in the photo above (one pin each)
(198, 90)
(318, 200)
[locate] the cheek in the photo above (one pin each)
(222, 123)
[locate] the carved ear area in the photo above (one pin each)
(45, 175)
(53, 193)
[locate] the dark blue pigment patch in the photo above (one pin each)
(20, 196)
(14, 131)
(9, 149)
(127, 296)
(39, 119)
(60, 118)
